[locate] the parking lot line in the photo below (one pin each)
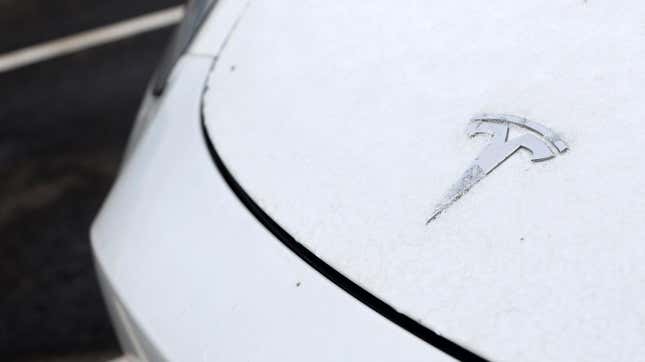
(86, 39)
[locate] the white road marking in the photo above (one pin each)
(86, 39)
(121, 359)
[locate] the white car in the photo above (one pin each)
(385, 181)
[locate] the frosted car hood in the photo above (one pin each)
(346, 122)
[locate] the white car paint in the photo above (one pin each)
(190, 275)
(346, 122)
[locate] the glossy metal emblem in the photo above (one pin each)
(541, 142)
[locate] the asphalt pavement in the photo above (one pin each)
(63, 125)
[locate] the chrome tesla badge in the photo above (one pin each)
(542, 147)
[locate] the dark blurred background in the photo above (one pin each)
(63, 126)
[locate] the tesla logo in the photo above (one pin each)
(542, 143)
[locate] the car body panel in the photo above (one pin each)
(346, 122)
(190, 275)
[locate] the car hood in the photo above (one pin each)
(347, 124)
